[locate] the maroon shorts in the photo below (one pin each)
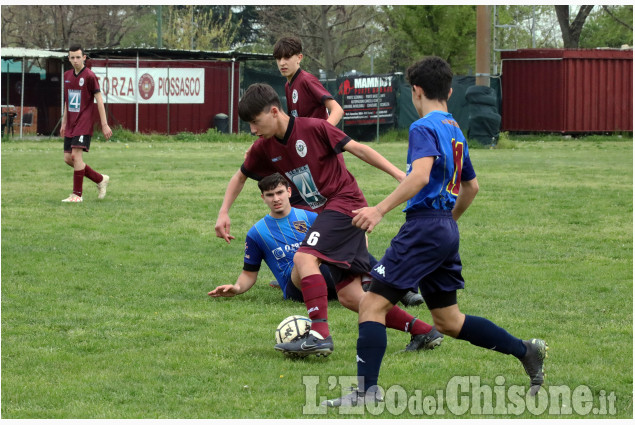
(333, 239)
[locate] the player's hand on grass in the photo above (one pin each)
(223, 224)
(367, 218)
(223, 291)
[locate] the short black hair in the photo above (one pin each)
(75, 47)
(272, 181)
(287, 47)
(433, 75)
(258, 98)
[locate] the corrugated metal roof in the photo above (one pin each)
(20, 52)
(156, 53)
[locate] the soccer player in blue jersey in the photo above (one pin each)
(440, 185)
(277, 237)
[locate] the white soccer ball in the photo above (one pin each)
(291, 327)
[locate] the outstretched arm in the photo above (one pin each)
(374, 158)
(368, 217)
(223, 223)
(244, 282)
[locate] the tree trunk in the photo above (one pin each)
(571, 30)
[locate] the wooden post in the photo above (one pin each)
(483, 42)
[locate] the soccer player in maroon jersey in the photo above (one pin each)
(307, 151)
(81, 89)
(306, 96)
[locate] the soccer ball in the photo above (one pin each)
(292, 327)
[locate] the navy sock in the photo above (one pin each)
(483, 333)
(371, 346)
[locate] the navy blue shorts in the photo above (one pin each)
(78, 142)
(424, 254)
(335, 240)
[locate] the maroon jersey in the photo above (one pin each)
(79, 96)
(306, 96)
(310, 157)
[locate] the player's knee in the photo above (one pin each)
(448, 326)
(349, 300)
(302, 260)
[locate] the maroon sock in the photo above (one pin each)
(315, 296)
(402, 321)
(93, 175)
(78, 182)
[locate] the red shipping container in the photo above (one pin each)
(567, 90)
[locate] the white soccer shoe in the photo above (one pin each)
(102, 187)
(73, 198)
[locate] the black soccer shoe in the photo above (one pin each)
(533, 362)
(425, 341)
(308, 344)
(412, 299)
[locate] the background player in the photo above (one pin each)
(306, 96)
(440, 186)
(307, 152)
(81, 90)
(276, 238)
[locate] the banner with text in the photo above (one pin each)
(363, 96)
(151, 85)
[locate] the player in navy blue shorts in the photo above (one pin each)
(308, 153)
(440, 185)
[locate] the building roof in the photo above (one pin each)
(156, 53)
(20, 52)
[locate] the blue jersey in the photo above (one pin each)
(276, 240)
(438, 135)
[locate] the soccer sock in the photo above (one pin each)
(483, 333)
(78, 182)
(315, 295)
(371, 346)
(93, 175)
(402, 321)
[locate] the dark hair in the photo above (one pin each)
(75, 47)
(271, 182)
(433, 75)
(287, 47)
(258, 98)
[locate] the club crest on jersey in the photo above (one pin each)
(294, 96)
(300, 226)
(81, 81)
(300, 148)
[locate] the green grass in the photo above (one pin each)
(105, 312)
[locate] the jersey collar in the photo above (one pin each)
(82, 70)
(295, 76)
(287, 134)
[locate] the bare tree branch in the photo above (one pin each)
(616, 19)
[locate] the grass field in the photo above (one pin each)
(105, 312)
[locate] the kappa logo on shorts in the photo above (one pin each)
(380, 270)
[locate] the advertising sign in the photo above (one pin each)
(361, 95)
(151, 85)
